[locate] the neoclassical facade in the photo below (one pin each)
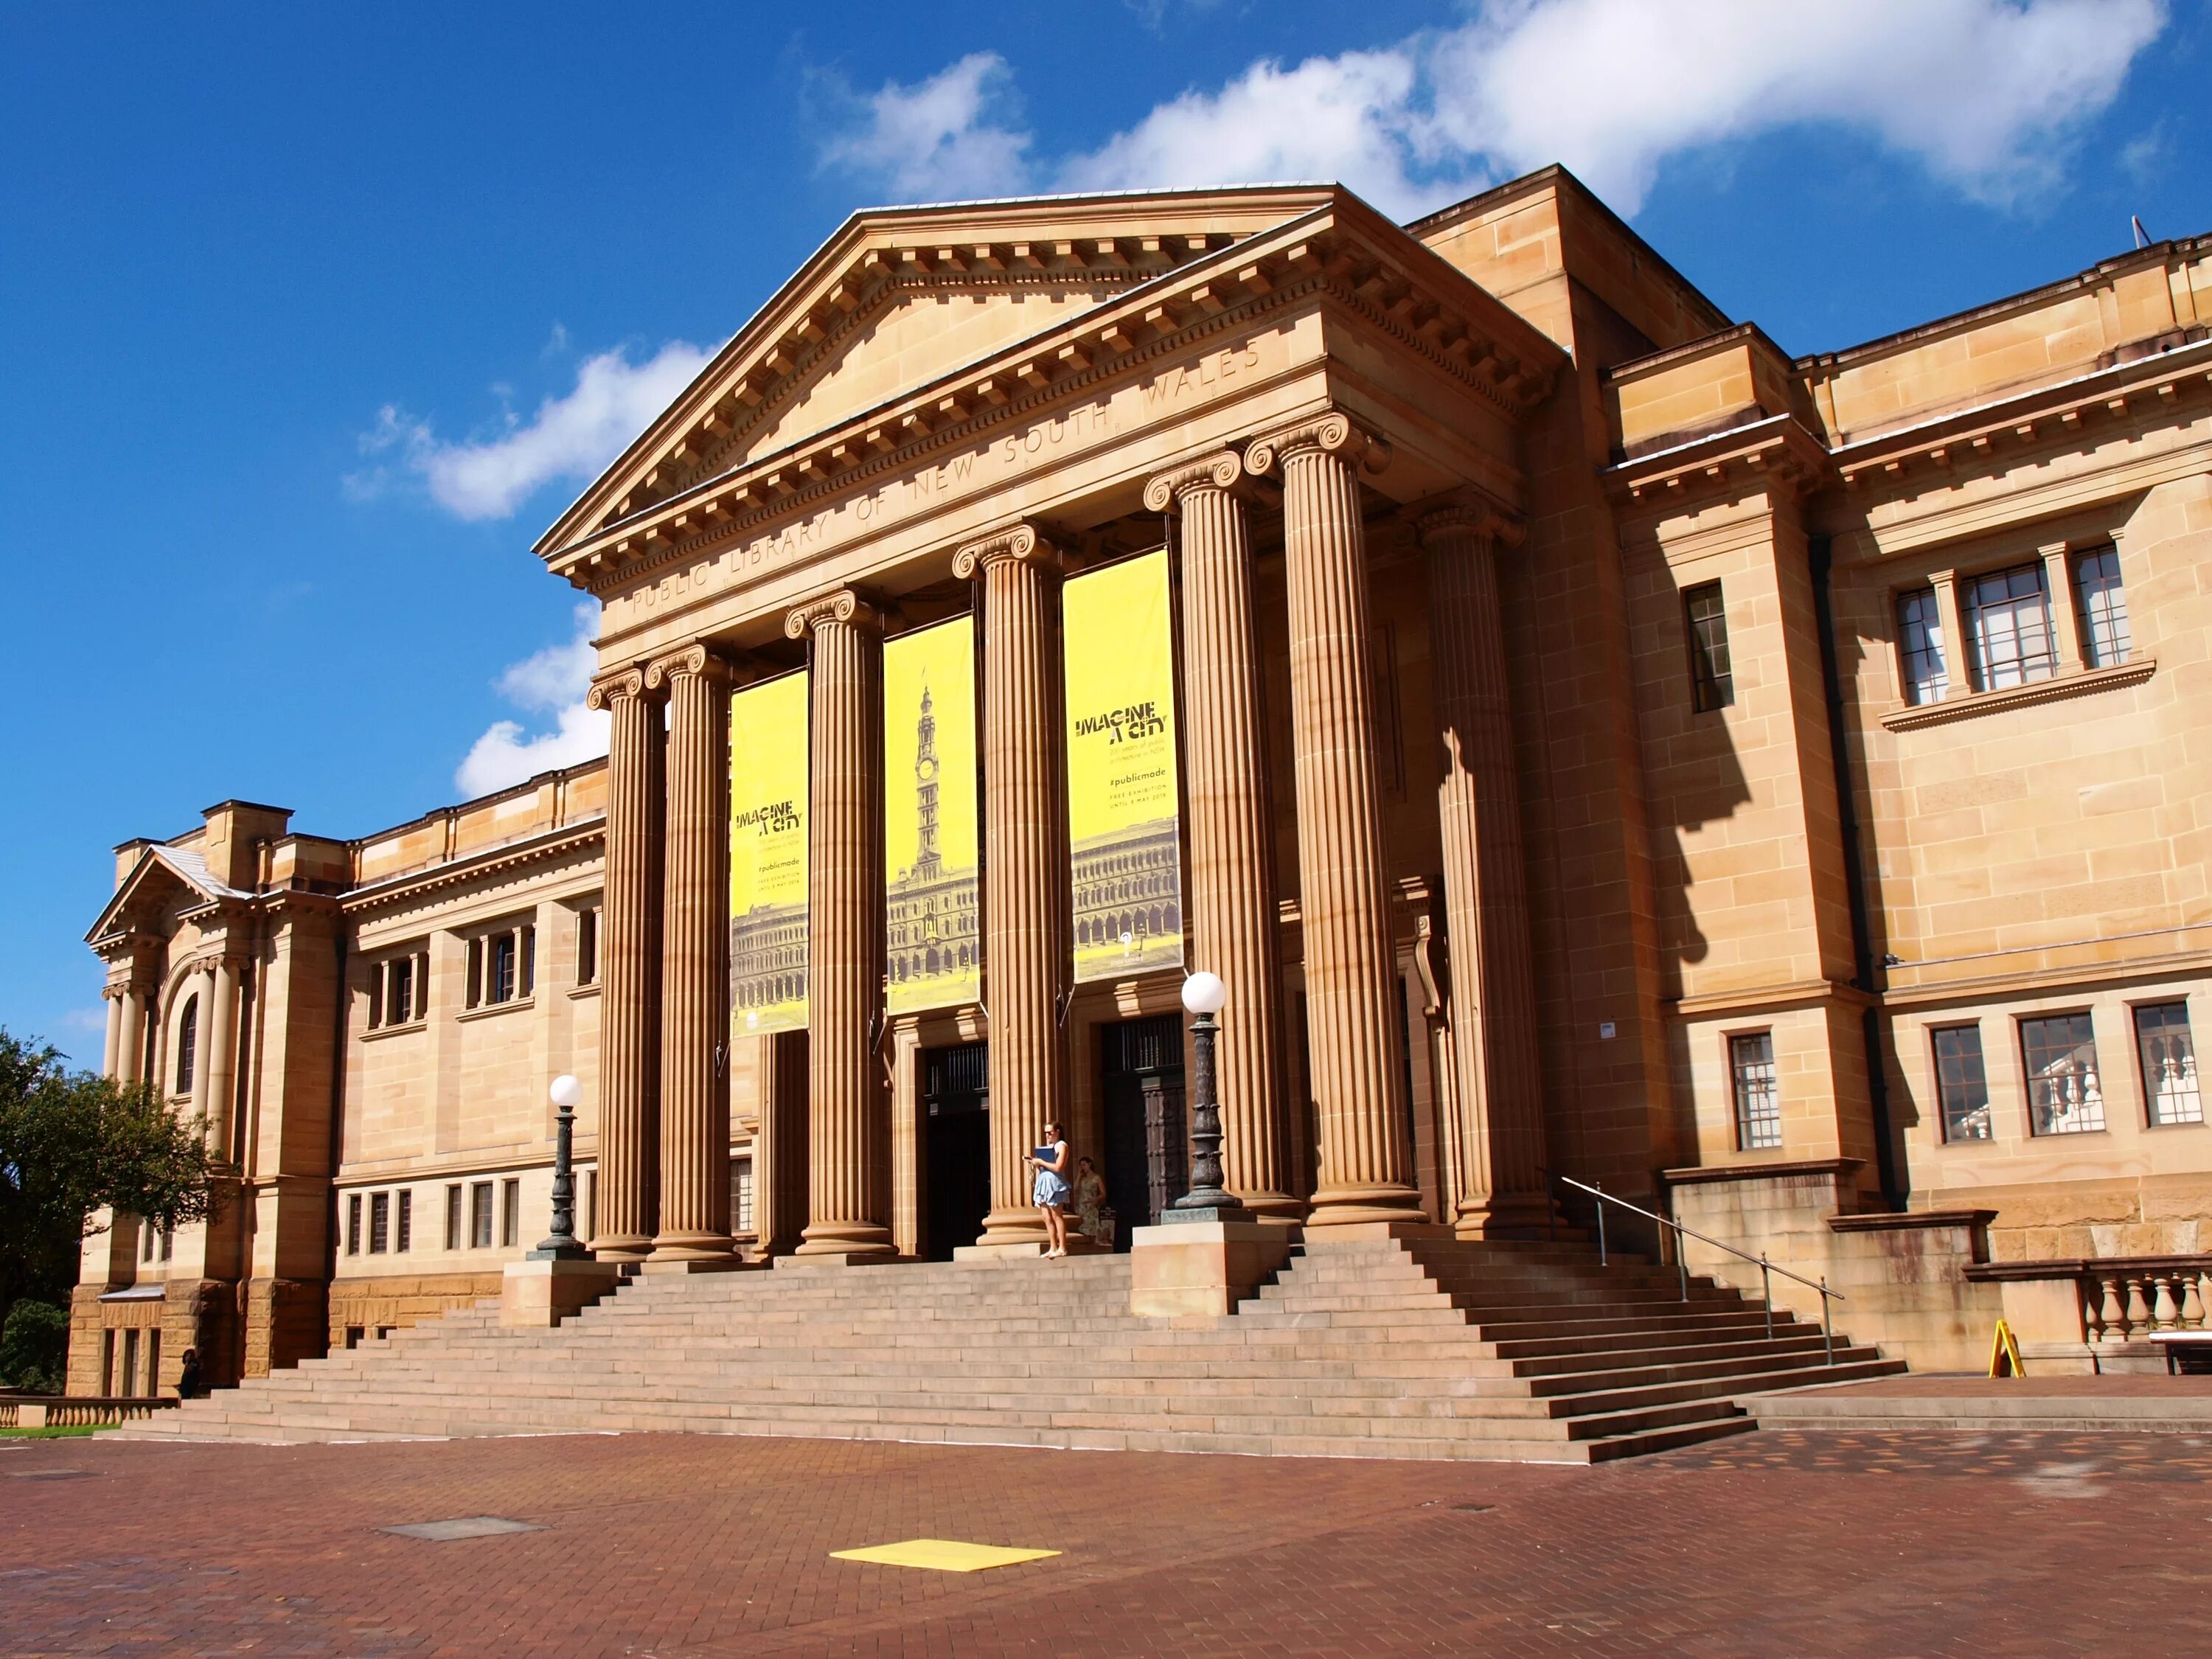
(1609, 747)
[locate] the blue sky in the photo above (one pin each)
(310, 319)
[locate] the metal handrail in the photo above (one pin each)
(1766, 1269)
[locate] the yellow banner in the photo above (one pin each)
(768, 857)
(936, 947)
(1123, 825)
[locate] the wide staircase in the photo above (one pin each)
(1373, 1348)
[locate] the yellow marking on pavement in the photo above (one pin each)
(942, 1555)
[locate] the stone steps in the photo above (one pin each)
(1360, 1348)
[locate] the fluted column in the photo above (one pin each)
(111, 1055)
(1353, 1037)
(1500, 1105)
(694, 956)
(849, 1149)
(222, 1057)
(1232, 855)
(1026, 947)
(630, 923)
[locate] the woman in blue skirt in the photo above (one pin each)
(1049, 1191)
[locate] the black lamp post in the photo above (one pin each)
(1204, 994)
(563, 1245)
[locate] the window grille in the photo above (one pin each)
(1920, 647)
(1962, 1083)
(2169, 1063)
(404, 1231)
(1712, 682)
(480, 1216)
(1757, 1105)
(2063, 1093)
(587, 946)
(453, 1218)
(2011, 628)
(353, 1224)
(510, 1212)
(2101, 608)
(380, 1222)
(741, 1194)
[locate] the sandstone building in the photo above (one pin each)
(1608, 746)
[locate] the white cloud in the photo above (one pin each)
(556, 679)
(572, 437)
(936, 140)
(1986, 94)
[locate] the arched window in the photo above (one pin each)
(188, 1044)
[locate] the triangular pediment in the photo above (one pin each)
(165, 881)
(900, 297)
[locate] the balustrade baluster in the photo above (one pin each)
(2165, 1313)
(2092, 1310)
(2112, 1323)
(2193, 1304)
(2138, 1307)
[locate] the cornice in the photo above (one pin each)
(2115, 399)
(1776, 453)
(1317, 256)
(492, 861)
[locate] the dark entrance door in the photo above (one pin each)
(1147, 1161)
(955, 1098)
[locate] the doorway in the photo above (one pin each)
(1147, 1157)
(956, 1103)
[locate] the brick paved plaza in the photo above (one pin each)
(1770, 1544)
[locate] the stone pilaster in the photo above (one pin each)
(1500, 1117)
(694, 998)
(1026, 947)
(1233, 856)
(848, 1118)
(1351, 976)
(630, 923)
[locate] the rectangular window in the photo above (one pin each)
(107, 1364)
(1758, 1107)
(153, 1363)
(422, 984)
(1712, 683)
(146, 1241)
(588, 947)
(1920, 647)
(2011, 620)
(380, 1222)
(128, 1380)
(453, 1218)
(476, 972)
(353, 1334)
(376, 997)
(168, 1242)
(2169, 1063)
(526, 976)
(353, 1224)
(2101, 608)
(741, 1194)
(1961, 1083)
(404, 1233)
(2064, 1095)
(480, 1216)
(400, 990)
(510, 1212)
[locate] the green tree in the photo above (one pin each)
(71, 1144)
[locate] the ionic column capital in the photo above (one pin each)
(1219, 471)
(845, 606)
(1018, 543)
(698, 660)
(1470, 512)
(1332, 434)
(616, 685)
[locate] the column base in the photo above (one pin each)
(1275, 1209)
(853, 1240)
(1201, 1269)
(1003, 1228)
(1351, 1207)
(621, 1246)
(1504, 1216)
(693, 1247)
(834, 1258)
(1026, 1250)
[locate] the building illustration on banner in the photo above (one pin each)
(1124, 831)
(934, 957)
(768, 857)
